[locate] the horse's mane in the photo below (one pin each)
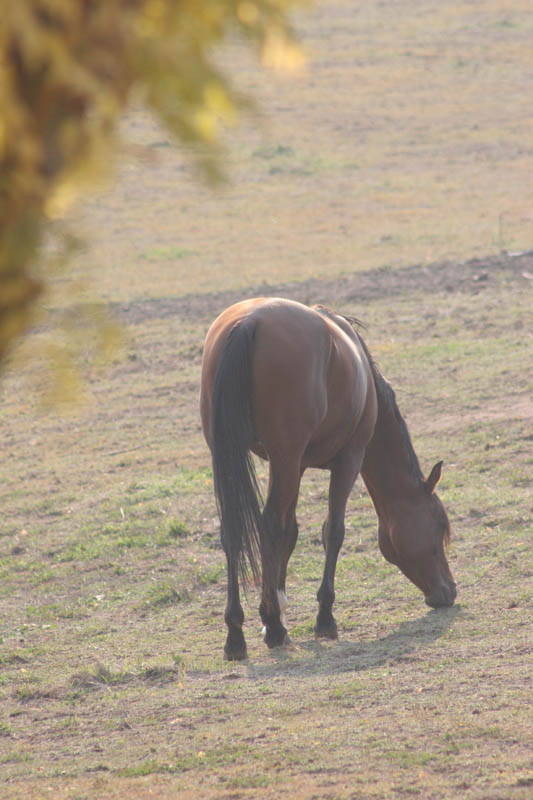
(387, 405)
(386, 397)
(334, 315)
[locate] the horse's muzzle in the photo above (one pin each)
(443, 595)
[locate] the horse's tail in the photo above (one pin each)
(236, 490)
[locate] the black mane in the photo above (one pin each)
(387, 404)
(386, 397)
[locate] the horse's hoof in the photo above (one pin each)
(326, 631)
(278, 638)
(235, 647)
(285, 643)
(235, 655)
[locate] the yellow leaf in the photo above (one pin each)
(217, 100)
(205, 124)
(248, 13)
(282, 55)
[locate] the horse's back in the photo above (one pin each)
(312, 381)
(291, 356)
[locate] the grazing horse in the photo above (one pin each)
(297, 386)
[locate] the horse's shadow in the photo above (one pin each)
(349, 656)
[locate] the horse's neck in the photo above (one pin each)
(390, 469)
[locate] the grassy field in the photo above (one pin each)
(385, 183)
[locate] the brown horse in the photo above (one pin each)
(298, 387)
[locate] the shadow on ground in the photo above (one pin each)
(345, 656)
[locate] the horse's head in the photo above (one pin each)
(415, 538)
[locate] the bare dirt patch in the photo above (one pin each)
(471, 276)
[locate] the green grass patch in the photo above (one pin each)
(170, 253)
(165, 594)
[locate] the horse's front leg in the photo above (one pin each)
(332, 538)
(343, 475)
(235, 647)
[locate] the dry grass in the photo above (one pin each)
(408, 141)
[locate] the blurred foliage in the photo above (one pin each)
(67, 70)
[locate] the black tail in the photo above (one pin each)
(236, 490)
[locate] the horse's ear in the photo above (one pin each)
(434, 477)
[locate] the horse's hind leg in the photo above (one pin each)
(289, 543)
(235, 647)
(269, 608)
(290, 538)
(343, 475)
(279, 537)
